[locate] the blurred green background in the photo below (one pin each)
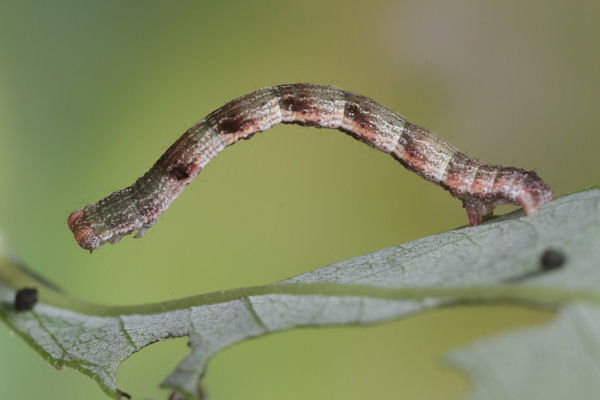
(91, 93)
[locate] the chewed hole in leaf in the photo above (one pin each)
(144, 370)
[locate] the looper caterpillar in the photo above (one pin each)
(480, 187)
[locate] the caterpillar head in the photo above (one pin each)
(84, 234)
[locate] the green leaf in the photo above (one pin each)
(493, 262)
(557, 361)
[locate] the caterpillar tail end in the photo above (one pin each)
(84, 234)
(535, 192)
(531, 193)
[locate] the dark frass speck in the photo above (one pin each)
(25, 299)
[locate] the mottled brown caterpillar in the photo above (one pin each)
(479, 186)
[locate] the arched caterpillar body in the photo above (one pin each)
(479, 186)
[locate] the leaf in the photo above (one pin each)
(465, 265)
(557, 361)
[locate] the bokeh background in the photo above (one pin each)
(91, 93)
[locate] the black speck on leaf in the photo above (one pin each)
(25, 299)
(552, 259)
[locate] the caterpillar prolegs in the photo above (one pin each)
(480, 187)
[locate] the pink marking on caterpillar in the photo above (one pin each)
(479, 186)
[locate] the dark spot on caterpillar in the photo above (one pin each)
(296, 103)
(25, 299)
(231, 125)
(178, 172)
(552, 259)
(355, 113)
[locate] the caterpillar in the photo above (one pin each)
(481, 187)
